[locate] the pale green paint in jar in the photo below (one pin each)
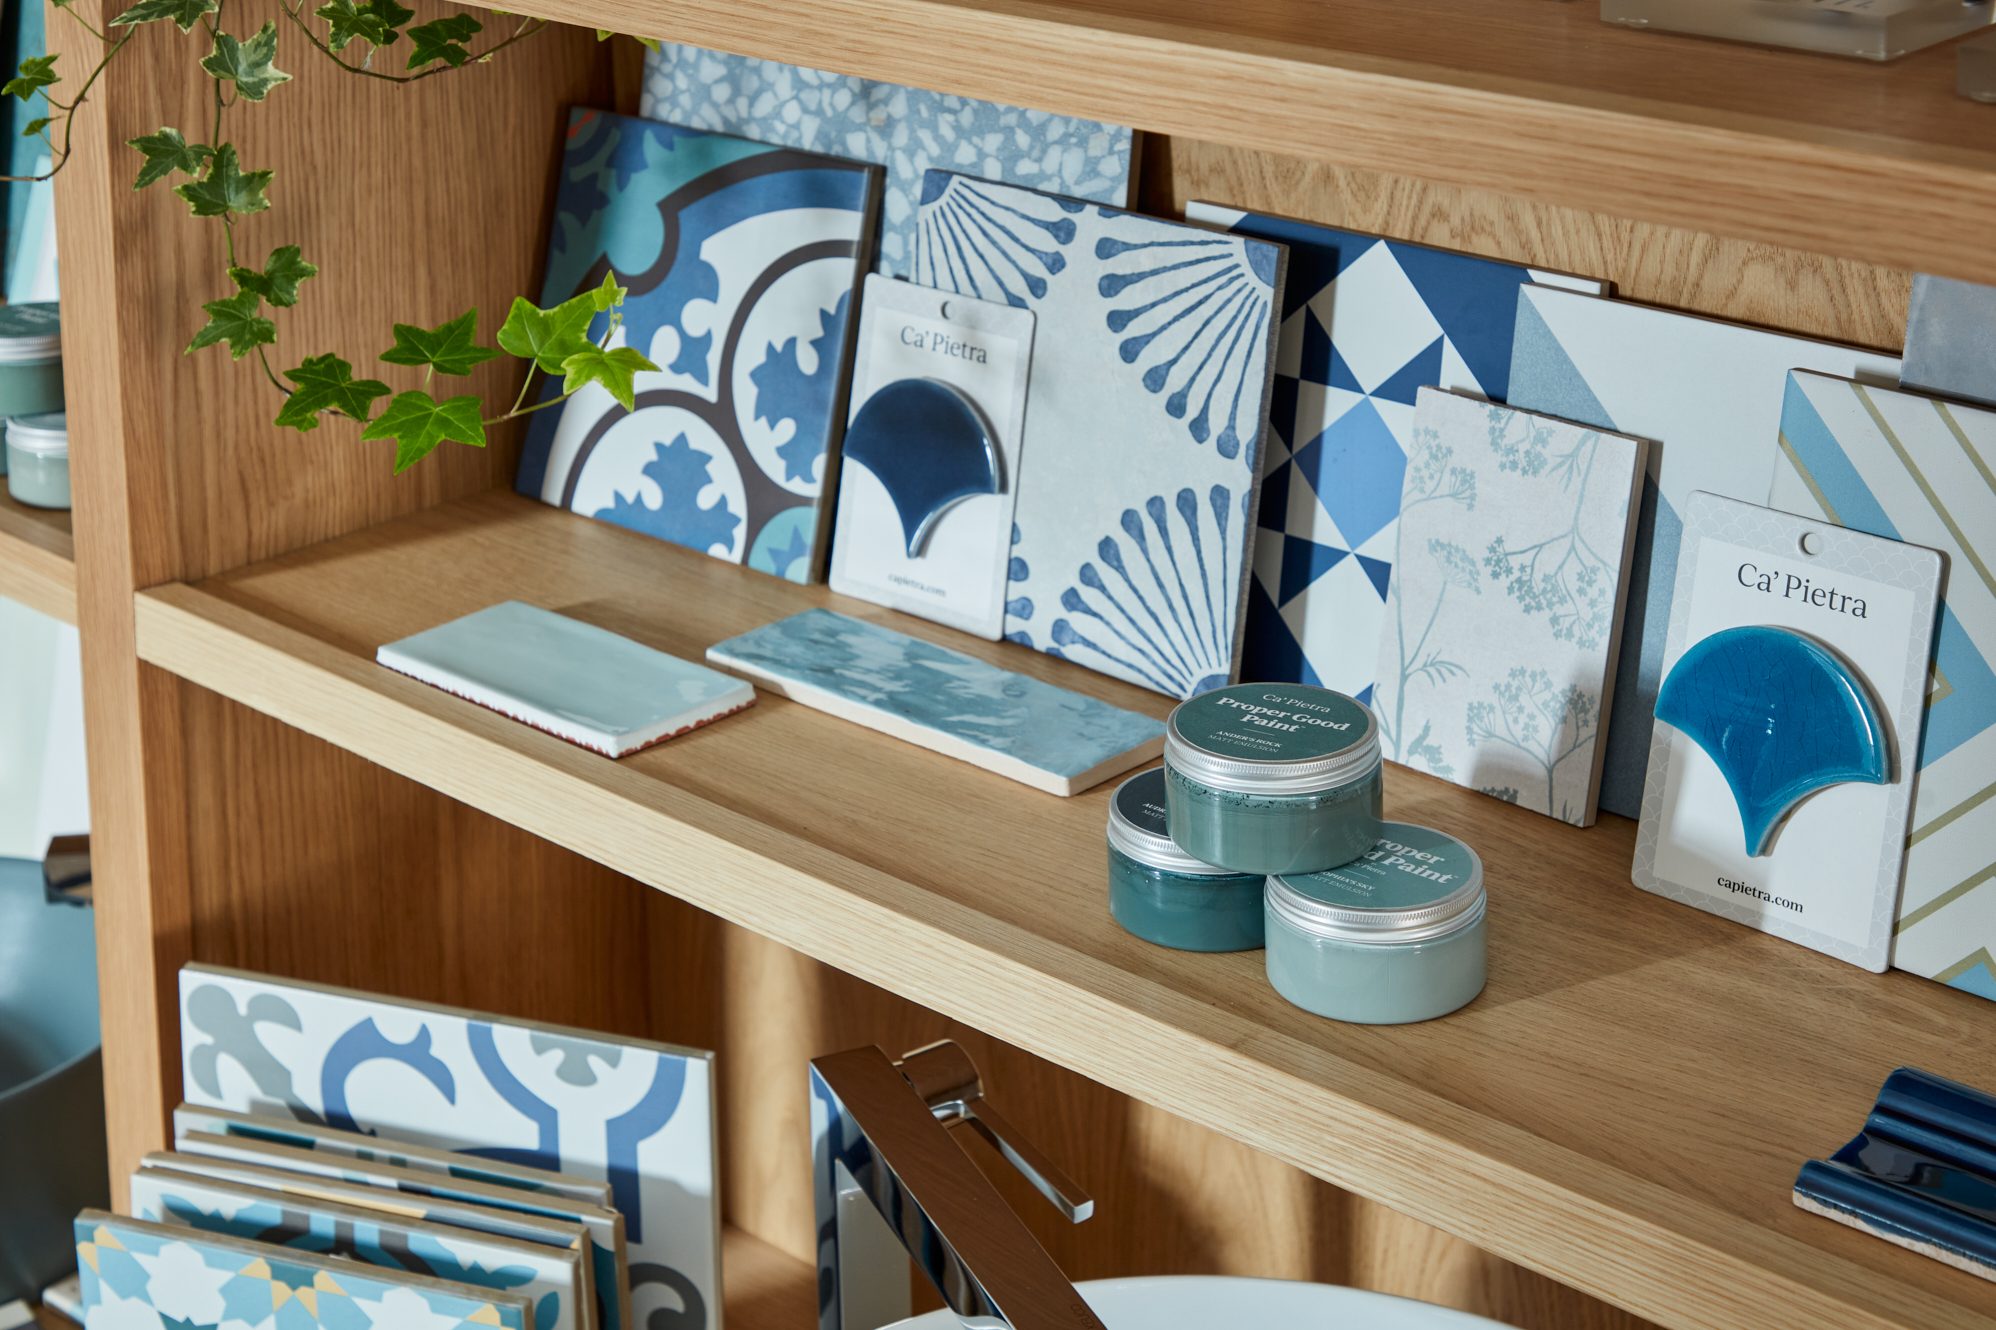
(1164, 895)
(38, 460)
(30, 360)
(1397, 936)
(1273, 778)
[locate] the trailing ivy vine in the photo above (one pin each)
(218, 186)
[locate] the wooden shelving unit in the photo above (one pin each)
(1619, 1110)
(1603, 1141)
(37, 558)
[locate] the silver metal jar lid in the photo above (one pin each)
(1314, 763)
(45, 435)
(1137, 828)
(1382, 898)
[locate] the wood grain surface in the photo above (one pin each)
(37, 558)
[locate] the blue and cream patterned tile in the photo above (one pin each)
(1033, 732)
(1367, 323)
(906, 130)
(1919, 469)
(730, 443)
(137, 1275)
(1147, 401)
(1951, 339)
(639, 1115)
(1707, 395)
(555, 1281)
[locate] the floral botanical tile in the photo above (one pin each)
(742, 261)
(1140, 462)
(1500, 644)
(906, 130)
(137, 1275)
(1707, 395)
(1366, 323)
(639, 1115)
(1922, 469)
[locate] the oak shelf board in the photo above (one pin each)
(1877, 162)
(37, 558)
(1624, 1108)
(765, 1288)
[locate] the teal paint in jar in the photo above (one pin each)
(1395, 937)
(1162, 894)
(30, 360)
(1273, 778)
(38, 460)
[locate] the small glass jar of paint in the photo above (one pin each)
(1273, 778)
(30, 359)
(38, 460)
(1395, 937)
(1162, 894)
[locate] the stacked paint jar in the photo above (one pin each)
(1164, 895)
(31, 373)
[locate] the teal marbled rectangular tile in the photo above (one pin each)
(1041, 735)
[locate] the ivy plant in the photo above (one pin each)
(208, 174)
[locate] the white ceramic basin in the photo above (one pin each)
(1203, 1302)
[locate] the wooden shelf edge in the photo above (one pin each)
(37, 560)
(1868, 196)
(1662, 1255)
(766, 1289)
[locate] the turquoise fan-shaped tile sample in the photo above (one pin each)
(1782, 717)
(1366, 323)
(743, 261)
(1500, 643)
(137, 1275)
(636, 1114)
(906, 130)
(1919, 468)
(1707, 395)
(1140, 461)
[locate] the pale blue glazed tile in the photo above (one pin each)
(638, 1114)
(906, 130)
(1139, 464)
(1951, 339)
(552, 1280)
(586, 684)
(1366, 324)
(748, 316)
(137, 1275)
(1501, 625)
(1034, 732)
(1915, 468)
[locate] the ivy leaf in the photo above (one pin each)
(34, 127)
(377, 21)
(166, 152)
(184, 13)
(602, 35)
(278, 282)
(418, 422)
(443, 39)
(326, 383)
(609, 295)
(237, 322)
(225, 187)
(36, 72)
(448, 348)
(614, 369)
(247, 64)
(546, 336)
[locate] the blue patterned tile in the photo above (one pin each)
(728, 447)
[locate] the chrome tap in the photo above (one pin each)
(892, 1185)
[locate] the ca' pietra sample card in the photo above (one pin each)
(932, 455)
(1828, 875)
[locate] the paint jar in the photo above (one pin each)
(30, 360)
(1394, 937)
(1162, 894)
(38, 460)
(1273, 778)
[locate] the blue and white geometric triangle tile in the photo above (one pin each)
(1366, 324)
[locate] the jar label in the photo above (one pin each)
(29, 320)
(1408, 867)
(1140, 802)
(1273, 722)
